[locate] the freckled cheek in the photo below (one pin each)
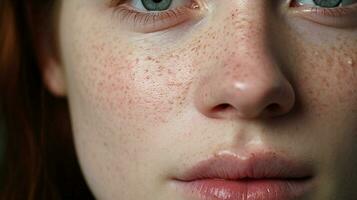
(132, 86)
(326, 79)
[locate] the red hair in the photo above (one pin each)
(40, 160)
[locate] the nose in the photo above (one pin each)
(259, 93)
(249, 83)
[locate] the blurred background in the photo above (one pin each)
(2, 145)
(2, 132)
(4, 17)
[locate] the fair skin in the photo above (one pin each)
(236, 76)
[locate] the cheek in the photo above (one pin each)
(324, 73)
(135, 86)
(126, 81)
(332, 77)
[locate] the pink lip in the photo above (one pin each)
(259, 176)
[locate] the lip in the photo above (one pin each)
(259, 176)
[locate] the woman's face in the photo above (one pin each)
(175, 102)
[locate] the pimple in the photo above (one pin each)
(350, 61)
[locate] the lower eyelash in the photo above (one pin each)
(331, 12)
(328, 12)
(127, 13)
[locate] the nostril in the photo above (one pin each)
(221, 107)
(273, 108)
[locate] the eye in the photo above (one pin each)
(155, 15)
(326, 3)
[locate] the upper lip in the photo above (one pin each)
(230, 166)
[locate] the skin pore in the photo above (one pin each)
(150, 100)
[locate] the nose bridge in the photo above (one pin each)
(246, 20)
(250, 62)
(246, 33)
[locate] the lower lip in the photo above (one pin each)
(253, 189)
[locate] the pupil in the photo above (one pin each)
(157, 1)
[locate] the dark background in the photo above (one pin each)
(2, 132)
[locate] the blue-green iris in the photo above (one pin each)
(156, 5)
(328, 3)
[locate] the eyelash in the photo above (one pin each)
(331, 12)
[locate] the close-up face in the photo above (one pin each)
(212, 99)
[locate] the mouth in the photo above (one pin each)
(265, 176)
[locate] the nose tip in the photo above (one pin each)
(268, 99)
(251, 98)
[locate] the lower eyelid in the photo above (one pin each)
(329, 12)
(342, 17)
(146, 22)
